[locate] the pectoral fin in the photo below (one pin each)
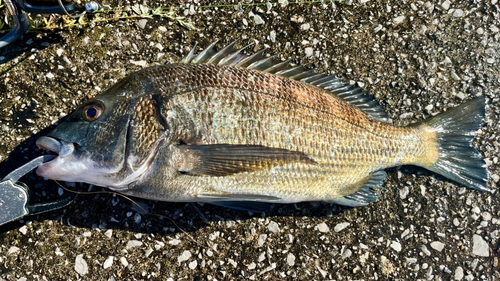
(226, 159)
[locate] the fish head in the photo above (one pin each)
(99, 143)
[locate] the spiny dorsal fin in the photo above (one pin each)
(229, 55)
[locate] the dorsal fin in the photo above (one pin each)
(229, 55)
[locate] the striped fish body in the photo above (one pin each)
(223, 127)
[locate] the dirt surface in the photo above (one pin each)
(417, 58)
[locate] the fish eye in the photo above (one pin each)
(92, 111)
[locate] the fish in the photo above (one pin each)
(240, 130)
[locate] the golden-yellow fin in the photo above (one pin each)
(226, 159)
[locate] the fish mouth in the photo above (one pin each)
(60, 155)
(61, 148)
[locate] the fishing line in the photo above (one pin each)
(131, 200)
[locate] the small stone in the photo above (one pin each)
(108, 262)
(425, 250)
(273, 227)
(446, 5)
(23, 229)
(81, 266)
(252, 266)
(192, 265)
(459, 273)
(341, 226)
(49, 75)
(184, 257)
(13, 250)
(142, 63)
(486, 216)
(59, 52)
(322, 227)
(262, 239)
(347, 253)
(258, 19)
(438, 246)
(142, 23)
(174, 242)
(133, 243)
(480, 247)
(305, 26)
(398, 20)
(458, 13)
(403, 192)
(396, 246)
(495, 177)
(272, 36)
(108, 233)
(124, 261)
(290, 259)
(309, 51)
(480, 31)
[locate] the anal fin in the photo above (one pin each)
(366, 194)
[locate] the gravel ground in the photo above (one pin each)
(418, 59)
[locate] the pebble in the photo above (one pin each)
(59, 52)
(133, 243)
(142, 63)
(262, 239)
(459, 273)
(425, 250)
(403, 192)
(13, 250)
(396, 246)
(290, 259)
(347, 253)
(81, 266)
(49, 75)
(446, 5)
(184, 257)
(273, 227)
(252, 266)
(124, 261)
(108, 233)
(309, 51)
(305, 26)
(458, 13)
(438, 246)
(399, 19)
(480, 247)
(322, 227)
(341, 226)
(272, 36)
(174, 242)
(192, 265)
(108, 262)
(258, 19)
(23, 229)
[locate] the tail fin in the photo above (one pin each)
(457, 159)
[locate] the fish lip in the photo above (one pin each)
(61, 148)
